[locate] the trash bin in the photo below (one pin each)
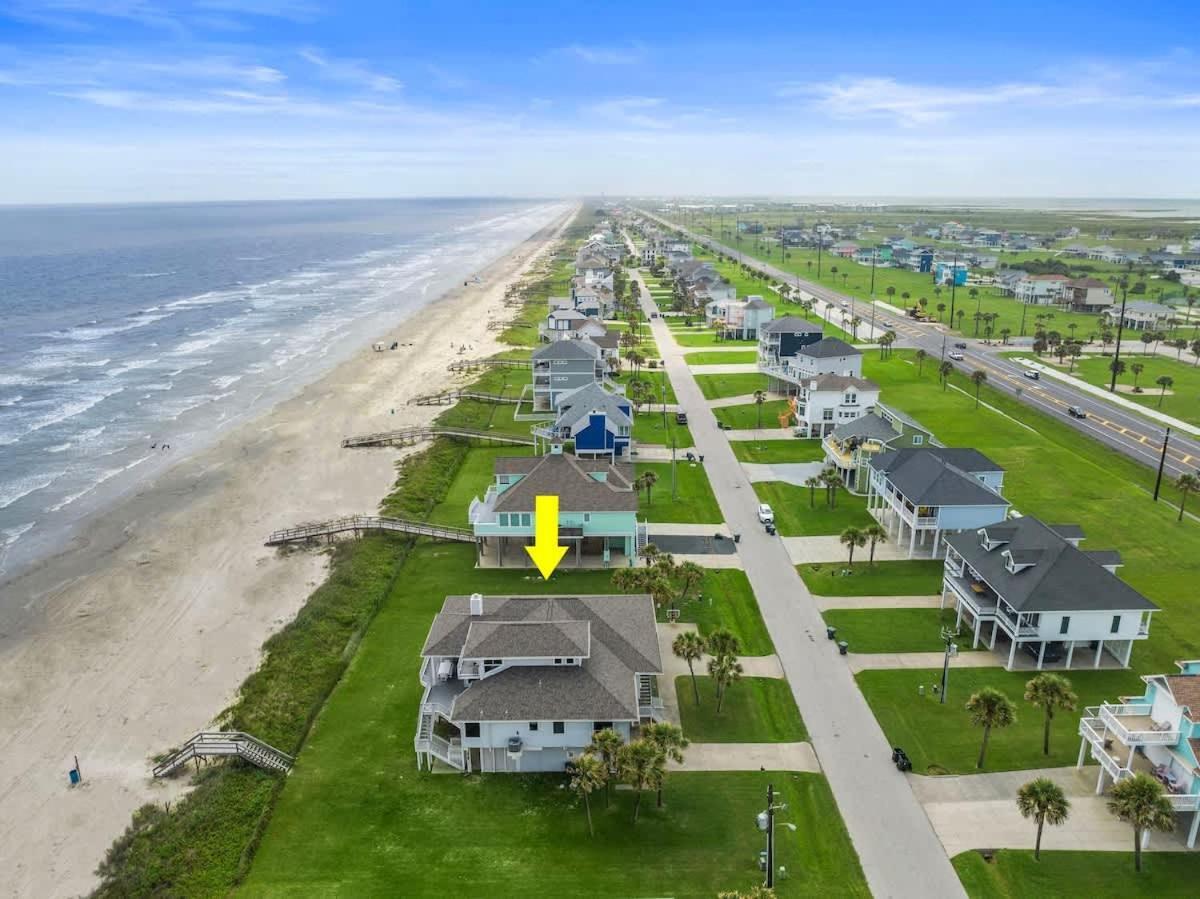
(737, 538)
(702, 458)
(74, 776)
(830, 632)
(843, 646)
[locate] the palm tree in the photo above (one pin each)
(1187, 483)
(1117, 367)
(690, 647)
(977, 378)
(959, 315)
(607, 744)
(646, 481)
(724, 670)
(1137, 368)
(1139, 801)
(760, 397)
(640, 764)
(990, 708)
(941, 307)
(850, 538)
(1050, 692)
(670, 741)
(812, 484)
(891, 292)
(689, 574)
(1005, 333)
(1044, 801)
(588, 774)
(874, 533)
(1165, 382)
(945, 369)
(920, 355)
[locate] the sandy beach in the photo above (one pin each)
(136, 637)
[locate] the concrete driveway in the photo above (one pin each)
(830, 549)
(748, 757)
(788, 472)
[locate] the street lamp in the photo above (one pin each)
(766, 822)
(948, 637)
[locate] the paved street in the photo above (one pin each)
(899, 851)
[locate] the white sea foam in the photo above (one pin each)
(13, 534)
(93, 331)
(60, 448)
(11, 491)
(77, 405)
(132, 365)
(12, 400)
(195, 346)
(103, 476)
(225, 381)
(150, 275)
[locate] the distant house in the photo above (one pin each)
(563, 366)
(846, 249)
(594, 300)
(568, 324)
(850, 447)
(1087, 295)
(1028, 585)
(597, 509)
(739, 319)
(1041, 290)
(1156, 733)
(823, 402)
(924, 493)
(825, 356)
(1140, 315)
(1076, 250)
(781, 338)
(951, 272)
(520, 683)
(597, 421)
(1006, 280)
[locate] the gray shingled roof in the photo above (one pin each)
(791, 324)
(623, 644)
(526, 639)
(757, 303)
(580, 403)
(567, 349)
(940, 476)
(841, 382)
(868, 427)
(828, 347)
(1061, 578)
(1067, 531)
(567, 477)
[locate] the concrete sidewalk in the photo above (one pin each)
(830, 549)
(748, 757)
(789, 472)
(743, 399)
(870, 661)
(824, 603)
(767, 433)
(727, 368)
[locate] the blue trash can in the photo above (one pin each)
(74, 775)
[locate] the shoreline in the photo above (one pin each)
(138, 634)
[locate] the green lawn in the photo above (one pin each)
(725, 599)
(795, 518)
(701, 337)
(472, 479)
(694, 501)
(356, 817)
(1015, 874)
(710, 358)
(755, 710)
(648, 428)
(654, 378)
(917, 577)
(747, 417)
(789, 450)
(942, 735)
(1062, 475)
(893, 630)
(718, 386)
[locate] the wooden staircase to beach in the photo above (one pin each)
(453, 396)
(208, 744)
(474, 364)
(358, 524)
(406, 436)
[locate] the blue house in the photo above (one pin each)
(948, 271)
(1157, 733)
(598, 421)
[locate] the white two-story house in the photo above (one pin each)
(789, 370)
(520, 683)
(824, 402)
(921, 493)
(1022, 584)
(1157, 733)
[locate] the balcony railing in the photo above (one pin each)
(1184, 802)
(1130, 733)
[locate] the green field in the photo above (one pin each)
(917, 577)
(790, 450)
(755, 710)
(942, 736)
(694, 500)
(357, 818)
(795, 518)
(655, 379)
(718, 386)
(471, 480)
(893, 630)
(1015, 874)
(649, 428)
(724, 599)
(702, 358)
(699, 337)
(744, 418)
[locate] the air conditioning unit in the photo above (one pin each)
(514, 747)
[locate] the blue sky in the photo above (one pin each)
(123, 100)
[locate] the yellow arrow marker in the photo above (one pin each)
(545, 552)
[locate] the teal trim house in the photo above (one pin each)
(597, 510)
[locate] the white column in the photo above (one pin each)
(1129, 761)
(978, 624)
(1041, 654)
(937, 533)
(1082, 751)
(912, 541)
(1191, 841)
(942, 605)
(1128, 653)
(1100, 782)
(1099, 653)
(995, 629)
(1012, 651)
(1070, 652)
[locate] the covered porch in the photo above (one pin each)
(591, 551)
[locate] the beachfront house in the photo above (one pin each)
(1087, 295)
(1041, 290)
(569, 324)
(849, 447)
(781, 338)
(520, 683)
(1024, 585)
(1140, 315)
(597, 510)
(563, 366)
(949, 272)
(1157, 733)
(595, 420)
(922, 493)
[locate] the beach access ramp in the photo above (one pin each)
(208, 744)
(450, 397)
(359, 524)
(406, 436)
(475, 364)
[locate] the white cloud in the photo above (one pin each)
(636, 112)
(907, 104)
(350, 71)
(603, 56)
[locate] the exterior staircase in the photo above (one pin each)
(453, 396)
(472, 364)
(208, 744)
(359, 523)
(643, 537)
(406, 436)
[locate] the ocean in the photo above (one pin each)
(127, 329)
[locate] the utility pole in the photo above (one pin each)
(953, 285)
(1112, 385)
(1162, 461)
(948, 637)
(820, 244)
(1024, 309)
(673, 494)
(770, 836)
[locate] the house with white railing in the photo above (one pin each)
(1023, 586)
(1157, 733)
(520, 683)
(850, 446)
(595, 420)
(921, 493)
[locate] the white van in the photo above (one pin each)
(766, 514)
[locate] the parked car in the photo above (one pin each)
(680, 418)
(766, 514)
(960, 346)
(1053, 653)
(1076, 412)
(1032, 375)
(957, 357)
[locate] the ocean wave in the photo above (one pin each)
(103, 476)
(132, 365)
(61, 448)
(195, 346)
(225, 381)
(13, 534)
(12, 400)
(90, 331)
(67, 410)
(150, 274)
(11, 491)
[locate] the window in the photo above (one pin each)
(601, 725)
(471, 729)
(503, 519)
(1064, 624)
(526, 519)
(1116, 625)
(587, 516)
(558, 661)
(570, 661)
(533, 727)
(560, 727)
(827, 414)
(918, 439)
(851, 399)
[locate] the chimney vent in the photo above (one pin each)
(476, 603)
